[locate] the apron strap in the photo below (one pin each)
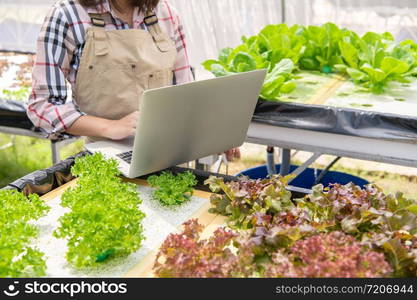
(98, 22)
(152, 23)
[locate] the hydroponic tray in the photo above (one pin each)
(15, 81)
(13, 114)
(158, 224)
(337, 106)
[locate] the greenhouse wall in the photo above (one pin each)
(398, 17)
(214, 24)
(210, 24)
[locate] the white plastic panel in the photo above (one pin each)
(213, 24)
(396, 16)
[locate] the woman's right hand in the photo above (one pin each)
(123, 128)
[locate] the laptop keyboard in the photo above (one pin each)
(126, 156)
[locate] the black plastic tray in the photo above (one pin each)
(13, 114)
(44, 181)
(353, 122)
(345, 121)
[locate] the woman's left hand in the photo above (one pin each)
(233, 154)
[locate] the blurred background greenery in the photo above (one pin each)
(22, 155)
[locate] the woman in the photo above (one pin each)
(110, 51)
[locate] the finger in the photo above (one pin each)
(229, 155)
(236, 154)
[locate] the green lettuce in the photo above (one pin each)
(322, 47)
(276, 48)
(371, 61)
(375, 60)
(17, 257)
(104, 220)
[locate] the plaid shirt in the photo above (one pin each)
(60, 46)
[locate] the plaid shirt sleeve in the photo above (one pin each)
(48, 107)
(182, 68)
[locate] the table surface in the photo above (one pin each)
(144, 268)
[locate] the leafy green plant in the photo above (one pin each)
(278, 80)
(322, 51)
(374, 60)
(383, 223)
(17, 258)
(237, 254)
(277, 48)
(105, 219)
(241, 199)
(340, 231)
(172, 189)
(186, 255)
(333, 254)
(277, 42)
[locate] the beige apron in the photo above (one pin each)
(117, 66)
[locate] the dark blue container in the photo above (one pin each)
(307, 179)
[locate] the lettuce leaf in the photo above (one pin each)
(372, 60)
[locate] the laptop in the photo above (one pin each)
(179, 124)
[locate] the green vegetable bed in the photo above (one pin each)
(303, 60)
(340, 231)
(100, 226)
(17, 256)
(398, 98)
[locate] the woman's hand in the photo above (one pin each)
(103, 128)
(123, 128)
(233, 154)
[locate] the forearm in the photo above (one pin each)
(90, 126)
(48, 107)
(103, 128)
